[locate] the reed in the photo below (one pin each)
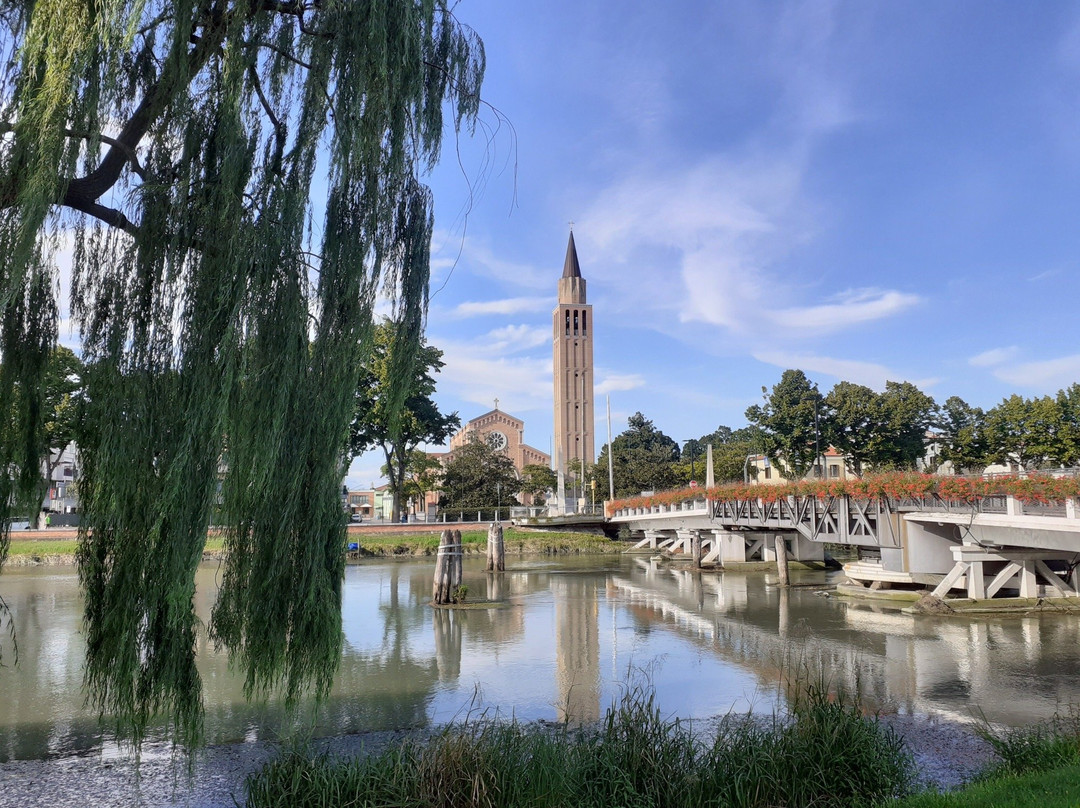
(821, 752)
(1039, 748)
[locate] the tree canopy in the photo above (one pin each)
(398, 427)
(789, 421)
(478, 477)
(242, 182)
(536, 480)
(643, 459)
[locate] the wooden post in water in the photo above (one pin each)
(455, 570)
(496, 550)
(695, 548)
(447, 568)
(781, 558)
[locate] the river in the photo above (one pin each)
(569, 635)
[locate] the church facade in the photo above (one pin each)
(503, 433)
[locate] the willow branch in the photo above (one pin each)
(285, 54)
(280, 132)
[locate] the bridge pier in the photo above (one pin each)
(652, 539)
(729, 547)
(799, 548)
(1021, 569)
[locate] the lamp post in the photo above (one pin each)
(817, 439)
(819, 467)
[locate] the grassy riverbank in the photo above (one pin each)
(62, 550)
(1039, 767)
(475, 541)
(823, 753)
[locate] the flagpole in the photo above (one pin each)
(610, 452)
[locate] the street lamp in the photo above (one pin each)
(819, 467)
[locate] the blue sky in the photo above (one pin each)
(868, 191)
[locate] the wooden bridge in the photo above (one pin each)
(994, 546)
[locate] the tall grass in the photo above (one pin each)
(822, 752)
(1051, 745)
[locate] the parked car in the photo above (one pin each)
(356, 517)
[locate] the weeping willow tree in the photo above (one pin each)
(240, 184)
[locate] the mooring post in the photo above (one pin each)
(695, 548)
(781, 558)
(496, 550)
(455, 560)
(440, 589)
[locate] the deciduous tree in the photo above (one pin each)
(478, 477)
(398, 427)
(789, 430)
(1024, 431)
(961, 435)
(644, 458)
(537, 479)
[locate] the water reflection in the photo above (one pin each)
(563, 640)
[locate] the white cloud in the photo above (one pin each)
(871, 374)
(707, 244)
(1046, 375)
(851, 308)
(995, 356)
(480, 260)
(511, 305)
(517, 338)
(478, 372)
(365, 470)
(613, 382)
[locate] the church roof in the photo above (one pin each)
(571, 269)
(501, 415)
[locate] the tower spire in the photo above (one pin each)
(571, 268)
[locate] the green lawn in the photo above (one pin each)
(516, 541)
(1059, 788)
(38, 547)
(397, 544)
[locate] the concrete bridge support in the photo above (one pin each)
(799, 548)
(1012, 568)
(652, 539)
(729, 547)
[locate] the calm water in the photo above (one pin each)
(571, 634)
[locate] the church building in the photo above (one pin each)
(574, 437)
(504, 433)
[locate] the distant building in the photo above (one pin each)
(361, 502)
(61, 496)
(761, 469)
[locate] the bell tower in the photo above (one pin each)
(572, 332)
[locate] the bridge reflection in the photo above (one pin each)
(1011, 670)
